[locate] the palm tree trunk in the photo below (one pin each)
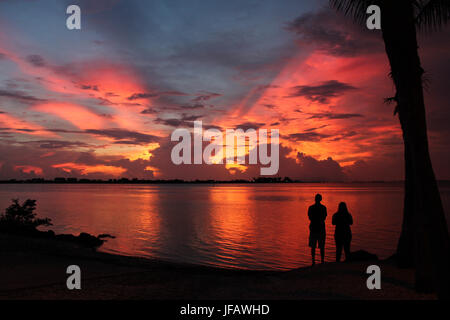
(424, 241)
(405, 248)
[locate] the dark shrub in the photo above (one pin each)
(21, 218)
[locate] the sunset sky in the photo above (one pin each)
(102, 102)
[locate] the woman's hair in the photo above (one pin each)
(342, 208)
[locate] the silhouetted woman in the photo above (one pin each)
(342, 219)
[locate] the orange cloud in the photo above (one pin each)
(114, 84)
(156, 172)
(81, 117)
(22, 126)
(111, 83)
(86, 169)
(29, 169)
(131, 152)
(323, 136)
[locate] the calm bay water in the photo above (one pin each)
(263, 226)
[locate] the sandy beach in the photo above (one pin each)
(36, 269)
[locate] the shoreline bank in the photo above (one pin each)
(36, 269)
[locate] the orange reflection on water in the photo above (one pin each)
(130, 213)
(232, 221)
(255, 226)
(247, 226)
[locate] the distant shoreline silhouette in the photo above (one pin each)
(181, 181)
(74, 180)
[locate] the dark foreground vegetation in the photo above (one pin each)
(20, 219)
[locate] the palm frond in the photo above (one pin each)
(390, 100)
(433, 15)
(353, 8)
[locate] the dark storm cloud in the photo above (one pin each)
(307, 136)
(173, 93)
(322, 92)
(20, 96)
(181, 107)
(89, 87)
(36, 60)
(285, 120)
(105, 115)
(334, 34)
(211, 126)
(320, 170)
(186, 117)
(185, 121)
(25, 130)
(334, 116)
(146, 95)
(344, 136)
(206, 96)
(317, 128)
(250, 125)
(59, 144)
(119, 135)
(149, 111)
(15, 129)
(171, 122)
(14, 156)
(63, 131)
(122, 134)
(304, 167)
(137, 96)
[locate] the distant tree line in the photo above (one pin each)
(135, 180)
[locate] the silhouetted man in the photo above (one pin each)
(317, 214)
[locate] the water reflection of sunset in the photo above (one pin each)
(255, 226)
(232, 221)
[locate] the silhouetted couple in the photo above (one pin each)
(342, 219)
